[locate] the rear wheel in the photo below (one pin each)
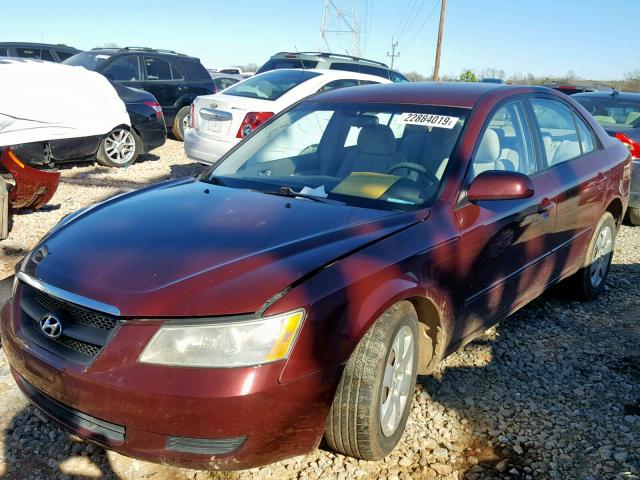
(120, 148)
(181, 122)
(373, 400)
(591, 277)
(634, 216)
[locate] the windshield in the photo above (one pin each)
(372, 155)
(88, 60)
(612, 111)
(271, 85)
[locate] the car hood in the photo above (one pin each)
(188, 248)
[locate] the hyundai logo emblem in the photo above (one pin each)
(50, 325)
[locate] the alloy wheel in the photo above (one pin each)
(397, 383)
(600, 258)
(120, 146)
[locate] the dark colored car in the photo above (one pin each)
(574, 88)
(238, 317)
(173, 78)
(619, 115)
(120, 148)
(40, 51)
(331, 61)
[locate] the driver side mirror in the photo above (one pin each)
(500, 185)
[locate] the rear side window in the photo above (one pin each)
(377, 71)
(346, 67)
(123, 69)
(270, 85)
(63, 55)
(397, 77)
(339, 84)
(157, 68)
(279, 63)
(4, 52)
(24, 52)
(587, 141)
(47, 55)
(176, 74)
(557, 124)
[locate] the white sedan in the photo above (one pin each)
(220, 121)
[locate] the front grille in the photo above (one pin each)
(84, 331)
(81, 315)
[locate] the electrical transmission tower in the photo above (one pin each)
(339, 21)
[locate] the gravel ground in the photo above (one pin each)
(553, 392)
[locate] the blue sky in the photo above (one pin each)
(594, 38)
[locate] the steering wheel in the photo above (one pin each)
(416, 167)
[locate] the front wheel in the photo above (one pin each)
(120, 148)
(373, 400)
(181, 122)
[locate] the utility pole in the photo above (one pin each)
(436, 68)
(393, 53)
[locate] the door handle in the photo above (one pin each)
(546, 206)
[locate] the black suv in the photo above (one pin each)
(40, 51)
(173, 78)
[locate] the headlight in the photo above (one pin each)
(222, 345)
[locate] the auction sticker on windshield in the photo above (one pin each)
(428, 120)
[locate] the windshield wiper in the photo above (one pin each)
(291, 193)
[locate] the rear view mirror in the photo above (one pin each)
(500, 185)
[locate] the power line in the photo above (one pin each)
(402, 18)
(435, 5)
(412, 20)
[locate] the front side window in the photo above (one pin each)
(271, 85)
(506, 143)
(157, 68)
(557, 124)
(63, 55)
(395, 161)
(47, 55)
(4, 52)
(123, 69)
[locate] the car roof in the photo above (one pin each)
(39, 45)
(453, 94)
(337, 74)
(153, 51)
(610, 94)
(329, 56)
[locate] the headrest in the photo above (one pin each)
(632, 117)
(377, 140)
(489, 149)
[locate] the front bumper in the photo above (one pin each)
(205, 150)
(634, 196)
(140, 410)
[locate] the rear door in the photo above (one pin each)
(158, 80)
(505, 244)
(577, 169)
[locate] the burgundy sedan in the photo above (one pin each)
(294, 291)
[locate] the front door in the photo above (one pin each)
(504, 243)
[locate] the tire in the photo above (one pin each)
(354, 426)
(120, 148)
(633, 214)
(591, 278)
(179, 122)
